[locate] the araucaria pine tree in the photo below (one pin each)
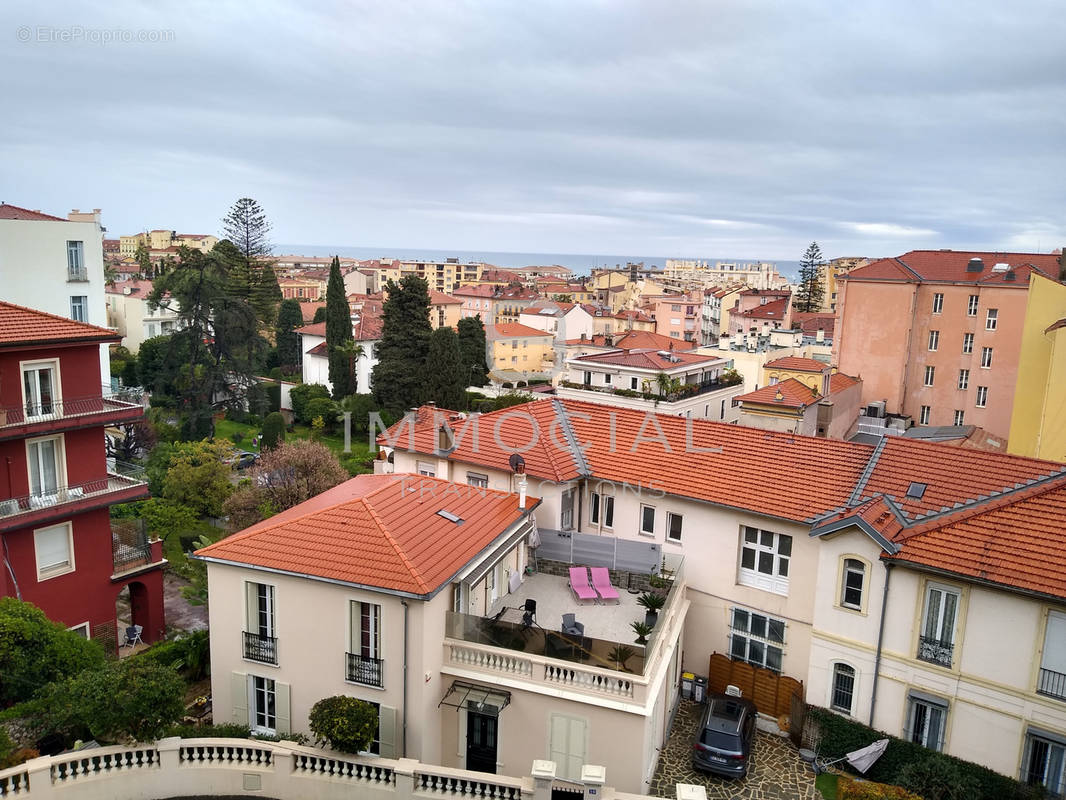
(810, 294)
(445, 381)
(472, 351)
(399, 376)
(247, 227)
(338, 332)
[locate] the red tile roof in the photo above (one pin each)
(647, 359)
(24, 326)
(797, 364)
(8, 211)
(787, 394)
(775, 309)
(950, 266)
(381, 531)
(140, 288)
(635, 340)
(475, 290)
(317, 329)
(838, 381)
(810, 322)
(308, 310)
(512, 330)
(441, 299)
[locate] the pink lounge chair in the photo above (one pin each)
(579, 583)
(601, 582)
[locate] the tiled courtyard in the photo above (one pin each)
(776, 771)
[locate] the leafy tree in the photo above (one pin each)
(35, 651)
(164, 518)
(284, 477)
(198, 476)
(144, 261)
(136, 438)
(398, 377)
(472, 351)
(320, 315)
(351, 351)
(133, 697)
(303, 394)
(563, 298)
(196, 574)
(810, 294)
(273, 431)
(338, 332)
(360, 406)
(346, 723)
(324, 408)
(128, 376)
(287, 339)
(445, 382)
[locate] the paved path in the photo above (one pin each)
(180, 613)
(776, 772)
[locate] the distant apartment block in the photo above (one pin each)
(828, 274)
(693, 273)
(132, 316)
(164, 240)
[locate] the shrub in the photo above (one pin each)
(865, 790)
(273, 392)
(937, 779)
(303, 394)
(346, 723)
(326, 409)
(273, 431)
(225, 730)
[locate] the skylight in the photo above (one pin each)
(448, 515)
(916, 490)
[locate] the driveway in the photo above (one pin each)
(776, 771)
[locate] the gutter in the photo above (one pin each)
(880, 642)
(403, 730)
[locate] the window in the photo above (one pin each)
(852, 583)
(925, 720)
(936, 643)
(260, 636)
(843, 688)
(971, 308)
(986, 357)
(588, 378)
(991, 319)
(934, 340)
(607, 379)
(78, 304)
(764, 560)
(1044, 762)
(982, 396)
(54, 548)
(427, 469)
(40, 388)
(929, 374)
(76, 262)
(959, 417)
(964, 378)
(967, 343)
(82, 630)
(364, 657)
(1052, 678)
(633, 384)
(647, 520)
(263, 705)
(44, 462)
(923, 415)
(596, 499)
(757, 639)
(938, 303)
(566, 513)
(673, 527)
(477, 479)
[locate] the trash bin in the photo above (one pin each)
(686, 684)
(699, 689)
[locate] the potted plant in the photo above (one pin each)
(653, 602)
(641, 629)
(620, 655)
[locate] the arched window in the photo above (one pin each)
(843, 688)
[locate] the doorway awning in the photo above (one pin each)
(478, 698)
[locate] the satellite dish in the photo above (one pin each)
(518, 464)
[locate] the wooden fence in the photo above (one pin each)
(771, 693)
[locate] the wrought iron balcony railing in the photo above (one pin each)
(364, 670)
(63, 495)
(1052, 684)
(935, 651)
(49, 410)
(261, 648)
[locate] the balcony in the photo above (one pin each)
(364, 670)
(1051, 684)
(263, 649)
(675, 393)
(32, 509)
(935, 651)
(132, 550)
(66, 414)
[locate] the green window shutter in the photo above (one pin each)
(239, 690)
(387, 745)
(282, 714)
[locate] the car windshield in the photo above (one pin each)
(720, 740)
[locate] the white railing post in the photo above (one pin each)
(593, 776)
(543, 773)
(404, 773)
(169, 756)
(38, 774)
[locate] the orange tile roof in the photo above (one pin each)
(647, 359)
(380, 531)
(308, 310)
(838, 381)
(8, 211)
(797, 364)
(24, 326)
(788, 393)
(775, 309)
(441, 299)
(950, 266)
(512, 330)
(317, 329)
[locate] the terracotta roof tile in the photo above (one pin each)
(8, 211)
(512, 330)
(775, 309)
(950, 265)
(441, 299)
(647, 359)
(788, 393)
(20, 325)
(797, 364)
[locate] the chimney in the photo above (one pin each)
(521, 491)
(820, 336)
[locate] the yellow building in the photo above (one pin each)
(828, 274)
(443, 276)
(161, 240)
(516, 351)
(1036, 425)
(444, 310)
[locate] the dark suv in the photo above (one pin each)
(724, 737)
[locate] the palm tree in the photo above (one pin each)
(353, 351)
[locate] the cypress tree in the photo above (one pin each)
(445, 381)
(289, 319)
(472, 351)
(338, 332)
(398, 377)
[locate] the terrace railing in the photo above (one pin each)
(50, 410)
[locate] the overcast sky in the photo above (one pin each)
(739, 129)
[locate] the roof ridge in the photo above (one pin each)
(58, 318)
(864, 478)
(571, 438)
(416, 574)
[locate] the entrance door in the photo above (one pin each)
(480, 741)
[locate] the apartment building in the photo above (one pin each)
(936, 334)
(130, 313)
(514, 351)
(445, 311)
(563, 320)
(444, 276)
(683, 274)
(679, 317)
(164, 240)
(59, 551)
(805, 396)
(830, 272)
(788, 543)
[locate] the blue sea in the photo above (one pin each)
(580, 263)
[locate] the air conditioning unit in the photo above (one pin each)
(876, 410)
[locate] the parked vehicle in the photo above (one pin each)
(245, 459)
(725, 735)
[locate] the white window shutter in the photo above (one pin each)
(251, 607)
(282, 714)
(239, 690)
(387, 732)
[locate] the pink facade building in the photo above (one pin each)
(679, 317)
(936, 334)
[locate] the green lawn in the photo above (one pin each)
(360, 452)
(826, 783)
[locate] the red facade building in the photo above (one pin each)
(57, 547)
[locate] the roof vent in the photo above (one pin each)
(975, 265)
(448, 515)
(916, 491)
(1000, 267)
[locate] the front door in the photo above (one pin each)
(480, 741)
